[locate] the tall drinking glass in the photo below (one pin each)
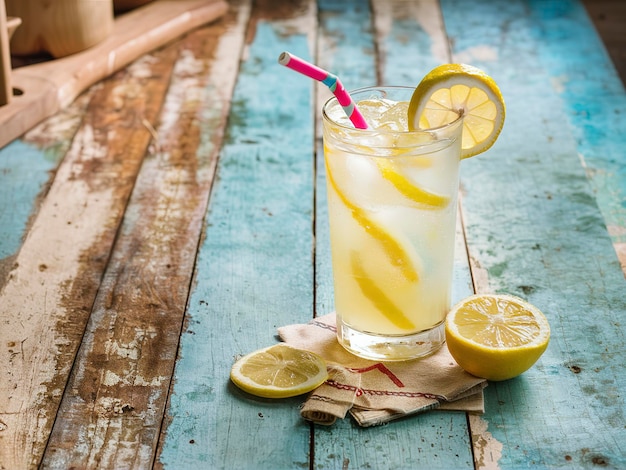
(392, 201)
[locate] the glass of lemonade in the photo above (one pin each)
(392, 202)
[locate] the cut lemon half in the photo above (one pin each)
(279, 371)
(496, 337)
(452, 90)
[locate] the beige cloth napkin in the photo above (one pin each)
(375, 392)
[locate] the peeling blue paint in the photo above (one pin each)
(532, 207)
(253, 268)
(24, 172)
(594, 98)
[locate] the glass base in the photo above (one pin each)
(391, 348)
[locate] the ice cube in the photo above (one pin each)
(395, 118)
(372, 109)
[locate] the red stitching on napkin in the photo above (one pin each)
(361, 391)
(324, 326)
(381, 367)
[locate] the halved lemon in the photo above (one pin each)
(279, 371)
(450, 90)
(496, 337)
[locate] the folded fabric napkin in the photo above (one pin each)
(376, 392)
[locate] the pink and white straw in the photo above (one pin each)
(328, 79)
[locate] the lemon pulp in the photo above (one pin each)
(453, 90)
(496, 337)
(279, 371)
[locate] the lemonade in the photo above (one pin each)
(392, 173)
(392, 201)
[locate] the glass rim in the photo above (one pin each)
(351, 127)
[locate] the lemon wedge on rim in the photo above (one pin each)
(450, 90)
(496, 337)
(279, 371)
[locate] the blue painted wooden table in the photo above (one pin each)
(173, 217)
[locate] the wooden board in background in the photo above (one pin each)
(48, 87)
(595, 104)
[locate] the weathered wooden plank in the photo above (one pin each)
(47, 296)
(534, 229)
(404, 33)
(595, 102)
(27, 168)
(412, 39)
(23, 174)
(112, 410)
(254, 268)
(350, 54)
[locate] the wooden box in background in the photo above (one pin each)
(59, 27)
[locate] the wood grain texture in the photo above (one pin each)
(361, 57)
(183, 199)
(113, 407)
(534, 229)
(411, 40)
(27, 170)
(48, 294)
(595, 104)
(254, 269)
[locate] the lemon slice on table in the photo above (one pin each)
(496, 337)
(279, 371)
(450, 90)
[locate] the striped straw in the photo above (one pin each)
(328, 79)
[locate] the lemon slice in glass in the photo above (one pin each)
(425, 199)
(496, 337)
(450, 90)
(279, 371)
(397, 254)
(384, 304)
